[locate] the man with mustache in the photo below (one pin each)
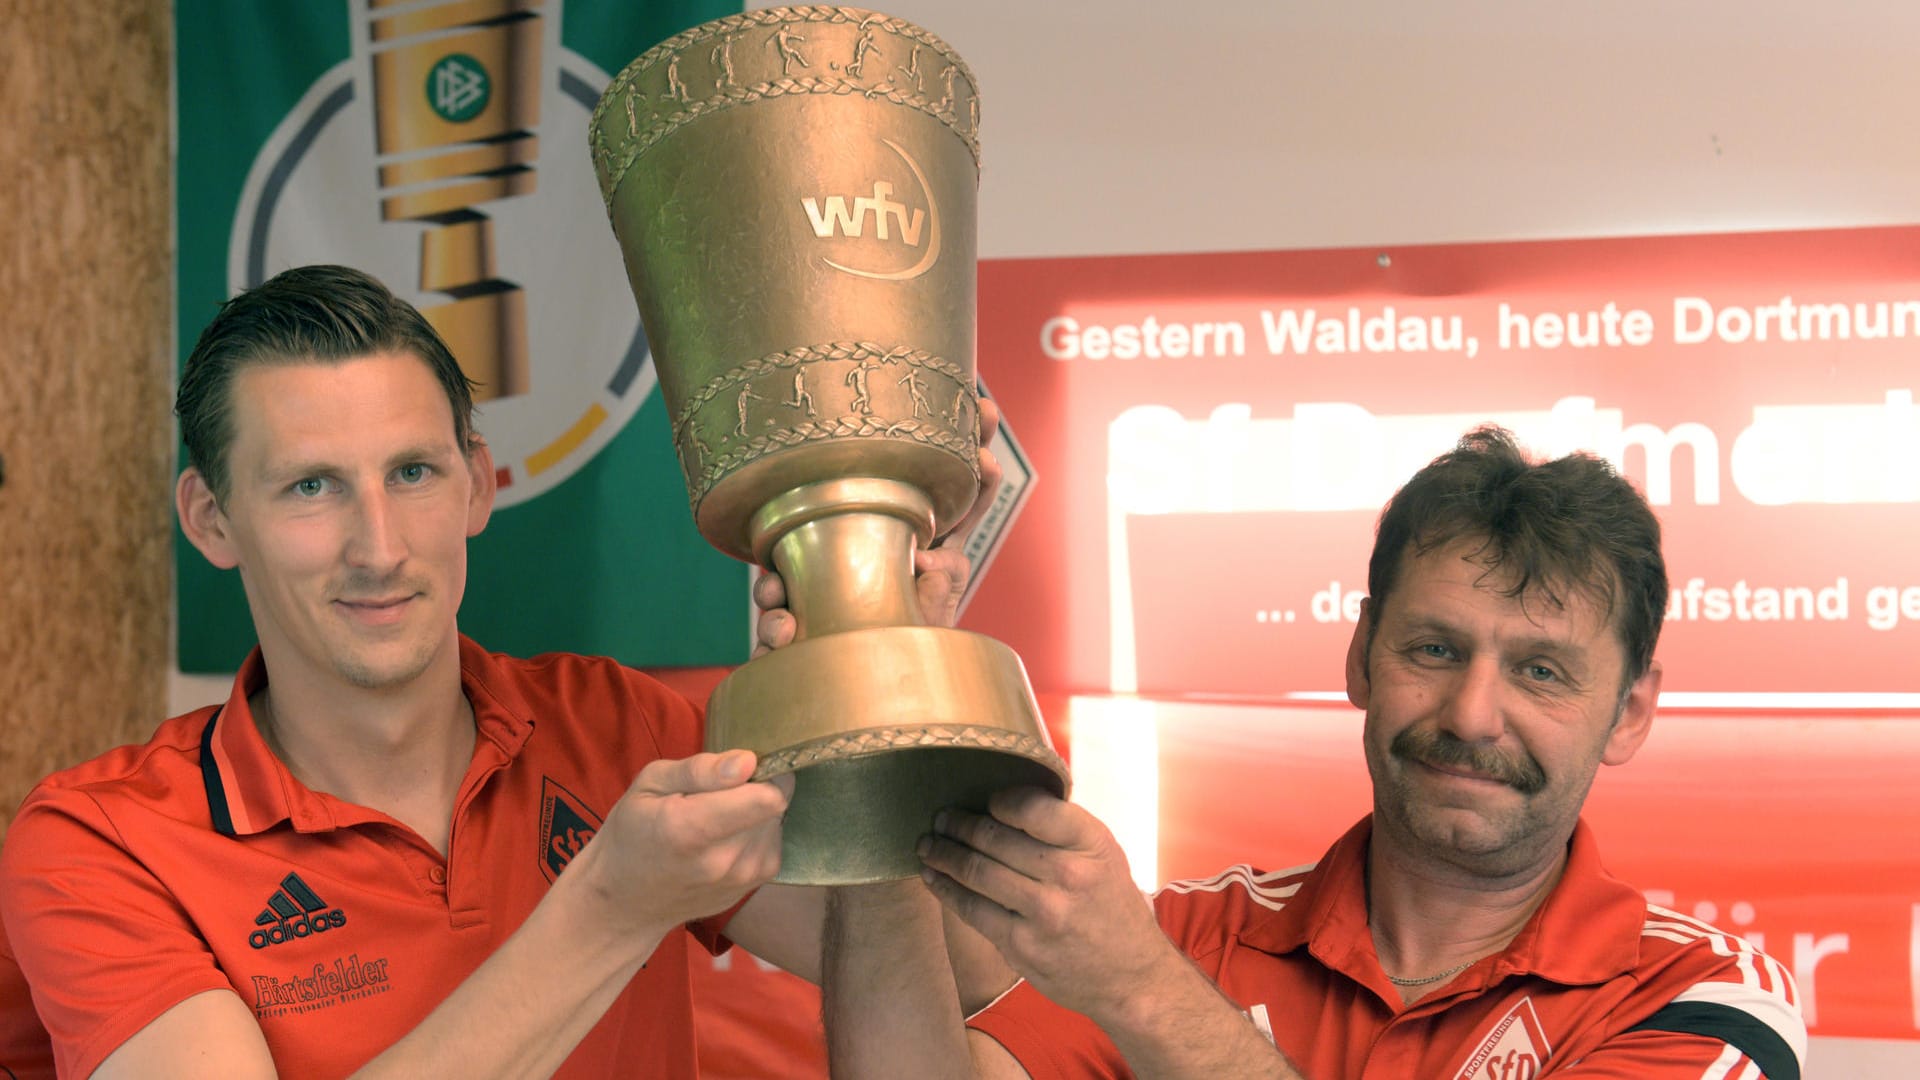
(1465, 930)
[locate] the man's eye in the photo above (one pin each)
(1542, 673)
(412, 474)
(310, 487)
(1435, 650)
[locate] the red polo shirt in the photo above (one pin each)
(1598, 984)
(197, 862)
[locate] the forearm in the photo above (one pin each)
(526, 1008)
(979, 970)
(1181, 1026)
(889, 1001)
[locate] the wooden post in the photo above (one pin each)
(86, 374)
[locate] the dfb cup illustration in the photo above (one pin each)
(456, 104)
(794, 191)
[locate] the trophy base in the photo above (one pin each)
(882, 728)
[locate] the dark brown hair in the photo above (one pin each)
(1570, 523)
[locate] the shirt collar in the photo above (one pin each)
(1587, 931)
(249, 790)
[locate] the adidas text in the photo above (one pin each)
(301, 925)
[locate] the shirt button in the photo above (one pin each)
(437, 875)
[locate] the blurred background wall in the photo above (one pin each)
(85, 380)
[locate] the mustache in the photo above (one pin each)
(362, 587)
(1519, 772)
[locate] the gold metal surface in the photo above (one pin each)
(484, 160)
(489, 334)
(445, 16)
(457, 255)
(882, 728)
(456, 103)
(450, 199)
(794, 189)
(844, 548)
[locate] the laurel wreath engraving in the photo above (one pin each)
(843, 428)
(857, 351)
(866, 741)
(612, 164)
(704, 467)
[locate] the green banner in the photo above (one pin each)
(403, 139)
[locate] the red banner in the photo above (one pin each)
(1214, 435)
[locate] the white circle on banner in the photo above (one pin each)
(313, 196)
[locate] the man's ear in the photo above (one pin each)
(1359, 684)
(1635, 721)
(203, 521)
(485, 483)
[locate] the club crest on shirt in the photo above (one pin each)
(565, 827)
(1515, 1048)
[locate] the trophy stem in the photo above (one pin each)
(845, 548)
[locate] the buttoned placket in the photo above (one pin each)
(1396, 1053)
(464, 898)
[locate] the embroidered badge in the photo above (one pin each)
(1515, 1049)
(565, 827)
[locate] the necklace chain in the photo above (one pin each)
(1452, 971)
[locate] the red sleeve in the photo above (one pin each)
(25, 1053)
(754, 1022)
(103, 944)
(1050, 1042)
(1710, 1007)
(711, 932)
(1668, 1055)
(1201, 922)
(679, 726)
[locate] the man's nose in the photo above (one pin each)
(1473, 710)
(376, 542)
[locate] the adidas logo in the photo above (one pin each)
(293, 911)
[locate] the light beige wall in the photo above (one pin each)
(1142, 126)
(85, 314)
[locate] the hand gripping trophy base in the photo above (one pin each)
(882, 728)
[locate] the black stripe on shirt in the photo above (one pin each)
(1738, 1029)
(210, 776)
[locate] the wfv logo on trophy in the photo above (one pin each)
(894, 223)
(836, 219)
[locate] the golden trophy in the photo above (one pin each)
(456, 101)
(794, 190)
